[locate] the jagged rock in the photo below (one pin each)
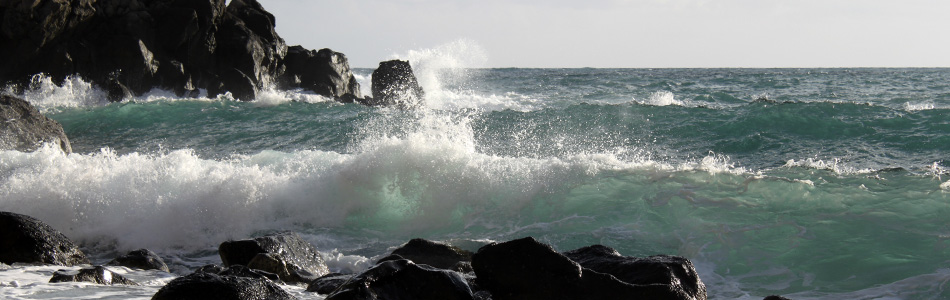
(208, 286)
(431, 253)
(97, 274)
(395, 84)
(285, 254)
(25, 239)
(24, 128)
(402, 279)
(674, 271)
(129, 47)
(527, 269)
(140, 259)
(325, 72)
(329, 283)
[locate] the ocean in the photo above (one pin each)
(808, 183)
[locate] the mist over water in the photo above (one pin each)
(810, 183)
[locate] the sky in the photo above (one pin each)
(625, 33)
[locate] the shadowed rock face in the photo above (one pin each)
(285, 254)
(25, 239)
(129, 47)
(431, 253)
(208, 286)
(141, 259)
(395, 84)
(402, 279)
(23, 128)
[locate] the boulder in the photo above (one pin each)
(325, 72)
(527, 269)
(96, 274)
(327, 284)
(208, 286)
(24, 128)
(284, 254)
(402, 279)
(431, 253)
(25, 239)
(394, 83)
(140, 259)
(677, 272)
(242, 271)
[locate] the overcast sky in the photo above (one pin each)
(627, 33)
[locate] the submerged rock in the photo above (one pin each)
(431, 253)
(527, 269)
(402, 279)
(208, 286)
(97, 274)
(394, 83)
(24, 128)
(284, 254)
(140, 259)
(25, 239)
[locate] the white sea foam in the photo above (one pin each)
(662, 98)
(834, 165)
(43, 93)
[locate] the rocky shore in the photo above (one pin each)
(257, 268)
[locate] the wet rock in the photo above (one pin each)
(25, 239)
(775, 297)
(439, 255)
(402, 279)
(97, 274)
(325, 72)
(24, 128)
(329, 283)
(394, 83)
(674, 271)
(208, 286)
(140, 259)
(528, 269)
(242, 271)
(284, 254)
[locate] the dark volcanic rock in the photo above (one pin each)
(97, 274)
(129, 47)
(242, 271)
(25, 239)
(141, 259)
(325, 72)
(402, 279)
(329, 283)
(207, 286)
(527, 269)
(674, 271)
(431, 253)
(285, 254)
(395, 84)
(775, 297)
(24, 128)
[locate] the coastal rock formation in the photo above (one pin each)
(431, 253)
(24, 128)
(327, 284)
(129, 47)
(528, 269)
(208, 286)
(402, 279)
(25, 239)
(674, 271)
(285, 254)
(140, 259)
(325, 72)
(394, 83)
(96, 274)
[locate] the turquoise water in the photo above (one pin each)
(810, 183)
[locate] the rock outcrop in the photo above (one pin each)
(208, 286)
(325, 72)
(402, 279)
(674, 271)
(394, 83)
(25, 239)
(97, 275)
(140, 259)
(527, 269)
(285, 254)
(24, 128)
(431, 253)
(129, 47)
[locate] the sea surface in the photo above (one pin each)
(808, 183)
